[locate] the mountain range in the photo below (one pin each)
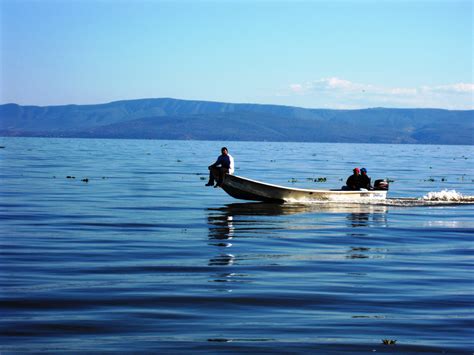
(166, 118)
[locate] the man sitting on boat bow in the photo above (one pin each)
(223, 165)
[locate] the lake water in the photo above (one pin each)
(144, 258)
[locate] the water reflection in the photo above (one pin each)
(221, 232)
(227, 223)
(358, 253)
(222, 260)
(366, 253)
(222, 224)
(274, 209)
(254, 209)
(376, 217)
(358, 219)
(221, 229)
(359, 224)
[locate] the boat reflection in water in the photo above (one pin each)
(376, 216)
(245, 226)
(221, 232)
(275, 209)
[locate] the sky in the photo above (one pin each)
(314, 54)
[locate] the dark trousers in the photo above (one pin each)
(217, 174)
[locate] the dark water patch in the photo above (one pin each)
(21, 205)
(140, 269)
(28, 216)
(170, 345)
(65, 328)
(156, 208)
(130, 226)
(286, 301)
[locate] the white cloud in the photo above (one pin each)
(455, 88)
(334, 84)
(401, 91)
(296, 87)
(337, 92)
(337, 83)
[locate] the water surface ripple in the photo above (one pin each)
(143, 257)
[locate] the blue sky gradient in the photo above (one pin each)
(319, 54)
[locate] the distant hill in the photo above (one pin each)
(200, 120)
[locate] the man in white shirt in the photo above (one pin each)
(223, 165)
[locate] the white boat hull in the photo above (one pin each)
(252, 190)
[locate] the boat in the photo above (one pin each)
(252, 190)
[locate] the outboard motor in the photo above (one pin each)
(381, 184)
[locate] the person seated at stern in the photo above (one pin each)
(364, 180)
(223, 165)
